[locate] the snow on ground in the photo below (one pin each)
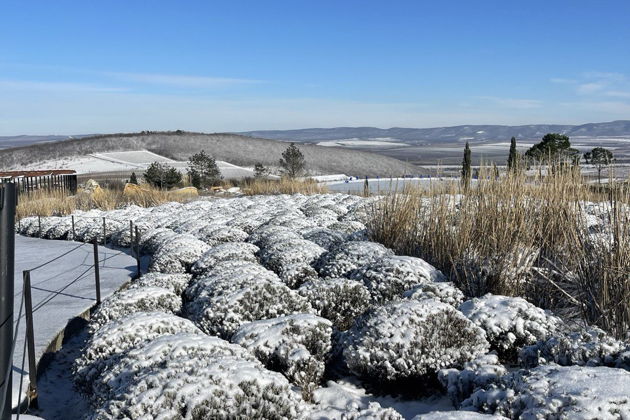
(287, 278)
(356, 142)
(137, 160)
(116, 268)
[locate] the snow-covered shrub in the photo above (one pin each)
(227, 387)
(122, 237)
(339, 300)
(295, 274)
(389, 277)
(224, 252)
(510, 322)
(176, 283)
(591, 347)
(214, 235)
(27, 226)
(375, 411)
(129, 301)
(410, 339)
(457, 415)
(153, 239)
(117, 337)
(558, 392)
(268, 234)
(282, 253)
(348, 227)
(349, 256)
(444, 291)
(221, 303)
(178, 254)
(324, 237)
(183, 350)
(481, 372)
(58, 228)
(295, 345)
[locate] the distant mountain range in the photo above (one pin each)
(472, 133)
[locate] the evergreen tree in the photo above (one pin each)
(466, 167)
(133, 179)
(203, 170)
(553, 149)
(292, 161)
(161, 175)
(512, 162)
(260, 171)
(600, 157)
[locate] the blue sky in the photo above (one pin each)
(69, 67)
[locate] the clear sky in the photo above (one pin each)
(71, 67)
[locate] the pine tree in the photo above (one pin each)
(203, 170)
(133, 179)
(161, 175)
(260, 171)
(466, 167)
(512, 162)
(292, 161)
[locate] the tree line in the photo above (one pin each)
(554, 151)
(203, 171)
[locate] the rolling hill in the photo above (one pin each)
(236, 149)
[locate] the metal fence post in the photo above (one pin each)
(97, 275)
(30, 340)
(131, 236)
(137, 240)
(74, 234)
(39, 226)
(7, 260)
(104, 233)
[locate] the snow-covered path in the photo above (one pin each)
(116, 267)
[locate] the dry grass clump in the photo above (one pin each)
(520, 236)
(58, 203)
(283, 186)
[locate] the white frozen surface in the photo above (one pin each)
(116, 268)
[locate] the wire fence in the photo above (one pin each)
(28, 309)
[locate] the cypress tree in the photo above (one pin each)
(466, 167)
(512, 162)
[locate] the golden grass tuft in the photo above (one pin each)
(522, 237)
(283, 186)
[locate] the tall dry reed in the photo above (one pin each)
(520, 236)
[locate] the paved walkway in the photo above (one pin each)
(52, 311)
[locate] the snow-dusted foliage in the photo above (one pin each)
(282, 253)
(226, 387)
(324, 237)
(591, 347)
(176, 283)
(510, 322)
(410, 339)
(220, 303)
(129, 301)
(117, 337)
(558, 392)
(224, 252)
(268, 234)
(339, 300)
(457, 415)
(295, 345)
(58, 228)
(444, 291)
(342, 260)
(217, 234)
(295, 274)
(478, 373)
(374, 411)
(177, 254)
(389, 277)
(153, 239)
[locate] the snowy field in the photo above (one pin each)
(384, 185)
(280, 307)
(138, 161)
(116, 268)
